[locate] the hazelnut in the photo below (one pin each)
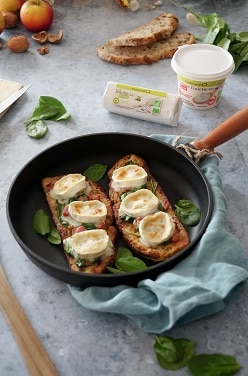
(18, 43)
(10, 19)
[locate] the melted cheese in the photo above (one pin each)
(93, 211)
(139, 204)
(90, 244)
(156, 228)
(68, 186)
(128, 177)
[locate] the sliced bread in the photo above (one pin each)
(159, 28)
(127, 55)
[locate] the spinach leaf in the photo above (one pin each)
(126, 262)
(41, 223)
(48, 108)
(188, 213)
(173, 354)
(54, 237)
(51, 102)
(36, 129)
(130, 264)
(42, 113)
(213, 365)
(95, 172)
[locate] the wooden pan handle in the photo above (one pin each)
(230, 128)
(34, 354)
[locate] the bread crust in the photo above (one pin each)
(128, 229)
(96, 193)
(147, 54)
(161, 27)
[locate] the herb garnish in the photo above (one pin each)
(41, 225)
(174, 354)
(48, 108)
(126, 262)
(95, 171)
(188, 213)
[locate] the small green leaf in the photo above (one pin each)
(95, 172)
(173, 354)
(36, 129)
(54, 237)
(188, 213)
(130, 264)
(213, 365)
(43, 113)
(123, 252)
(52, 102)
(114, 270)
(41, 223)
(126, 262)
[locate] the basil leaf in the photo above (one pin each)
(41, 223)
(213, 365)
(130, 264)
(36, 129)
(95, 172)
(173, 354)
(50, 102)
(54, 237)
(188, 213)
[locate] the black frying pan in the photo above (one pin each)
(179, 176)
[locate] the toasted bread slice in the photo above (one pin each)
(161, 252)
(148, 54)
(159, 28)
(65, 231)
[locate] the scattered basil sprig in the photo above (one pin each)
(219, 34)
(126, 262)
(188, 213)
(48, 108)
(41, 225)
(174, 354)
(95, 171)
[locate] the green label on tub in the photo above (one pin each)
(188, 81)
(142, 90)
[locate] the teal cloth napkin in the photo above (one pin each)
(200, 285)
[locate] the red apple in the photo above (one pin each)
(2, 22)
(36, 15)
(11, 6)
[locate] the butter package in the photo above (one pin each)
(141, 103)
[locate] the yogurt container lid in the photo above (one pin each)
(202, 62)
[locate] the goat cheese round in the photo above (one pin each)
(93, 211)
(128, 176)
(139, 204)
(68, 186)
(156, 228)
(89, 244)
